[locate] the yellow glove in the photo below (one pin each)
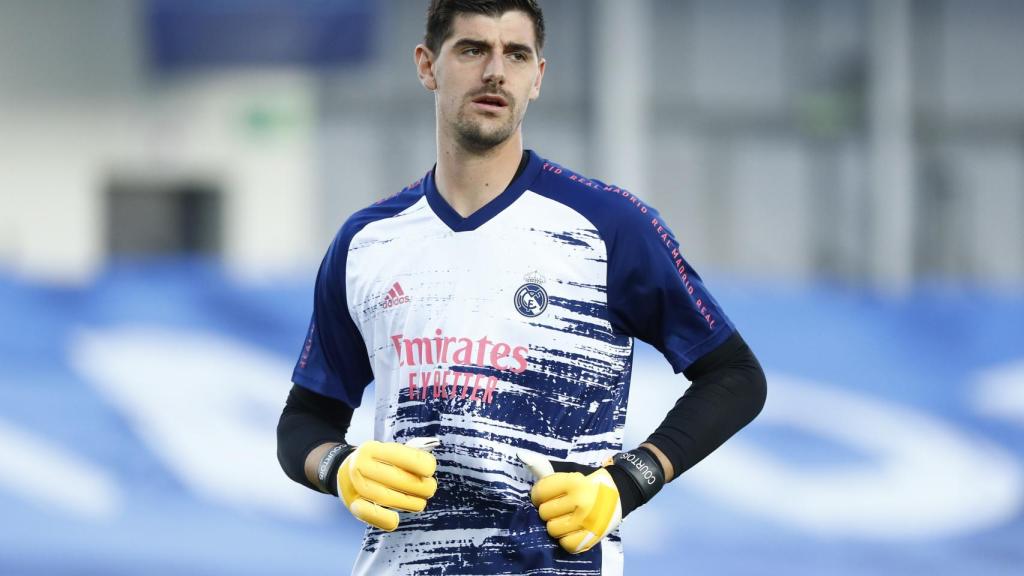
(579, 510)
(381, 477)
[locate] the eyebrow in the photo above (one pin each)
(508, 46)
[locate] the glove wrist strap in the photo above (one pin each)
(644, 472)
(327, 470)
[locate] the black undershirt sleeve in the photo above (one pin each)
(728, 391)
(308, 420)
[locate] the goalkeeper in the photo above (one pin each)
(580, 504)
(495, 303)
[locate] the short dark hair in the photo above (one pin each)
(442, 12)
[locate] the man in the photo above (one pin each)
(495, 303)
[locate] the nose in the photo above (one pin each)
(494, 70)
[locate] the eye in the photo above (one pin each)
(472, 52)
(519, 56)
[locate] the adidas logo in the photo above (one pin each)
(394, 297)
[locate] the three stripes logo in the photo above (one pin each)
(394, 297)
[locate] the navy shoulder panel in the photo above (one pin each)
(334, 361)
(611, 209)
(653, 293)
(379, 210)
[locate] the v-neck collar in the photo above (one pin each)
(457, 223)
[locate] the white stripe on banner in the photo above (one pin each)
(55, 477)
(999, 392)
(921, 477)
(206, 405)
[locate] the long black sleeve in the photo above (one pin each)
(308, 420)
(728, 391)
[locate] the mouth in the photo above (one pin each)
(490, 102)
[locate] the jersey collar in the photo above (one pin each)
(457, 223)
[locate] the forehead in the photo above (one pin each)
(512, 26)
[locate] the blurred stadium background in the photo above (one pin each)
(848, 176)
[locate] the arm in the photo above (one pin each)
(654, 295)
(728, 391)
(310, 426)
(373, 480)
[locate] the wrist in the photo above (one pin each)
(663, 459)
(638, 475)
(327, 469)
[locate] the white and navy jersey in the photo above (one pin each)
(511, 329)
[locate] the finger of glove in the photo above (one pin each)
(556, 507)
(413, 460)
(563, 525)
(380, 494)
(398, 479)
(579, 542)
(374, 514)
(554, 486)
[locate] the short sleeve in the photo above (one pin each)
(654, 294)
(333, 361)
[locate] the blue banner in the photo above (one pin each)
(183, 34)
(137, 421)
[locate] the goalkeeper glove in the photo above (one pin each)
(378, 478)
(582, 504)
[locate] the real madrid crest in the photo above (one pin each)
(531, 299)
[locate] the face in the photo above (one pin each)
(483, 77)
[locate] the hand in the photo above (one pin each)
(381, 477)
(580, 507)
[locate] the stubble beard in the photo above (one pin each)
(472, 133)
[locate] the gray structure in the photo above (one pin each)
(874, 142)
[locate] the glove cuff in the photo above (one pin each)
(327, 470)
(638, 475)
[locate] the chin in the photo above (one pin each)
(483, 141)
(476, 136)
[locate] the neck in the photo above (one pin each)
(468, 180)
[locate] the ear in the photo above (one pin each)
(535, 90)
(424, 59)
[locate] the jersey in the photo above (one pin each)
(510, 329)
